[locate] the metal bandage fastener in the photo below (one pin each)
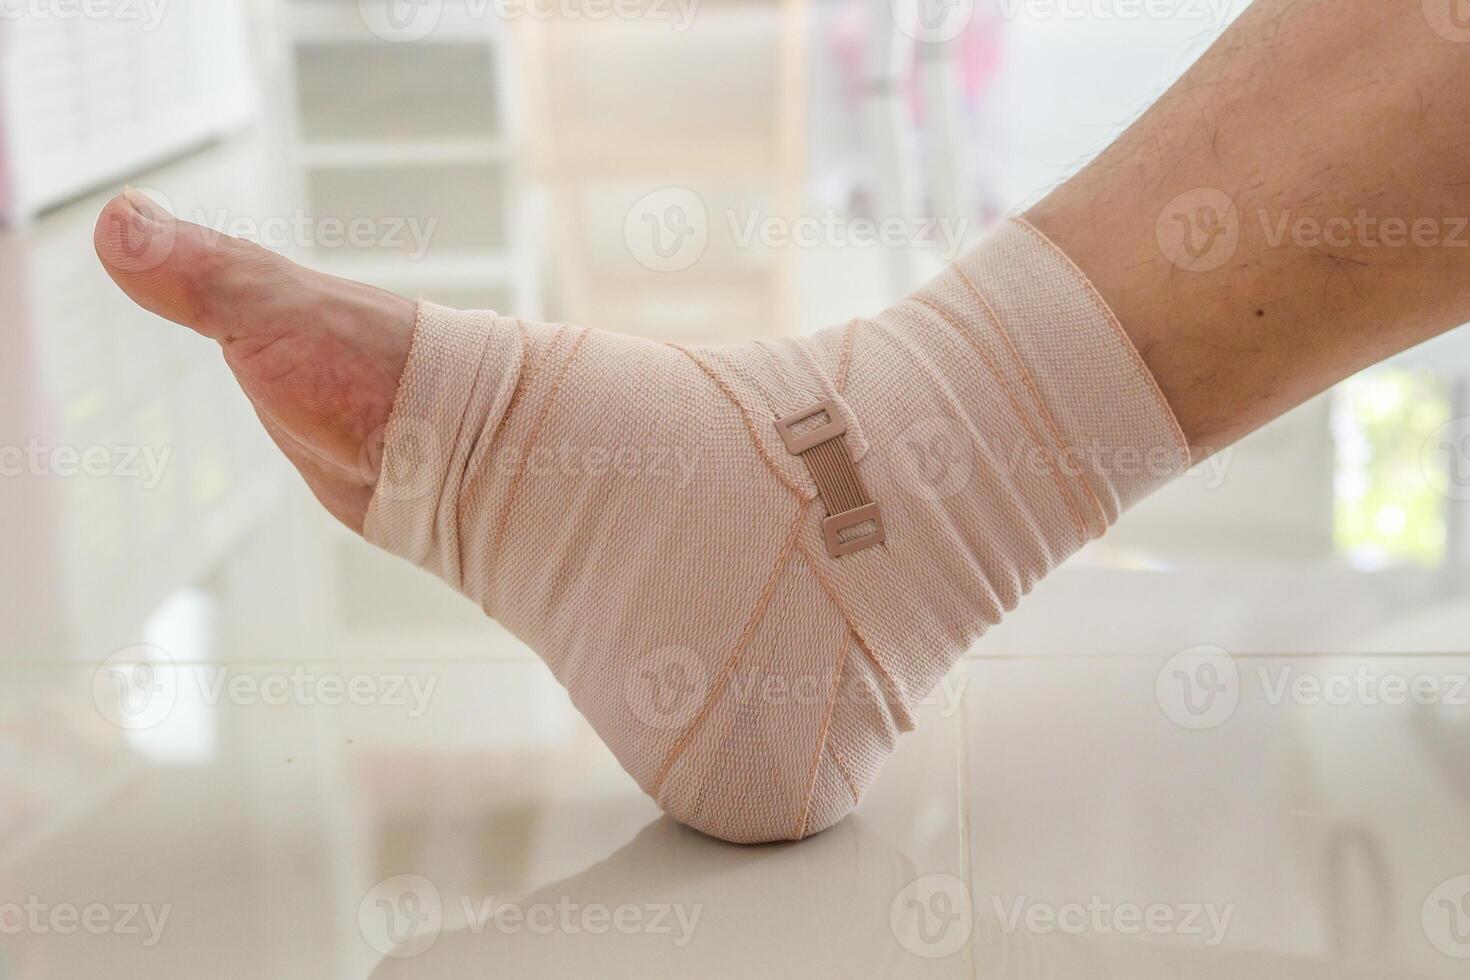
(853, 520)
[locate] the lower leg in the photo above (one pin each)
(1288, 213)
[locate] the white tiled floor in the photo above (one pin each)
(1049, 818)
(1100, 813)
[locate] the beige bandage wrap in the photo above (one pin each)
(633, 511)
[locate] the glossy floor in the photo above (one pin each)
(1131, 817)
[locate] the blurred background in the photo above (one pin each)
(705, 170)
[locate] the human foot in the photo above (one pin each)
(319, 357)
(748, 611)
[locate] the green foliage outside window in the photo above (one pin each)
(1387, 511)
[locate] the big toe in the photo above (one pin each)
(183, 272)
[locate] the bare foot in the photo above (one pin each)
(319, 357)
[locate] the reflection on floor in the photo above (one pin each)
(442, 817)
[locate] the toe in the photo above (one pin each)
(183, 272)
(318, 357)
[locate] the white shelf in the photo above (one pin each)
(348, 154)
(335, 22)
(415, 129)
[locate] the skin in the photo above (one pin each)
(319, 357)
(1303, 113)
